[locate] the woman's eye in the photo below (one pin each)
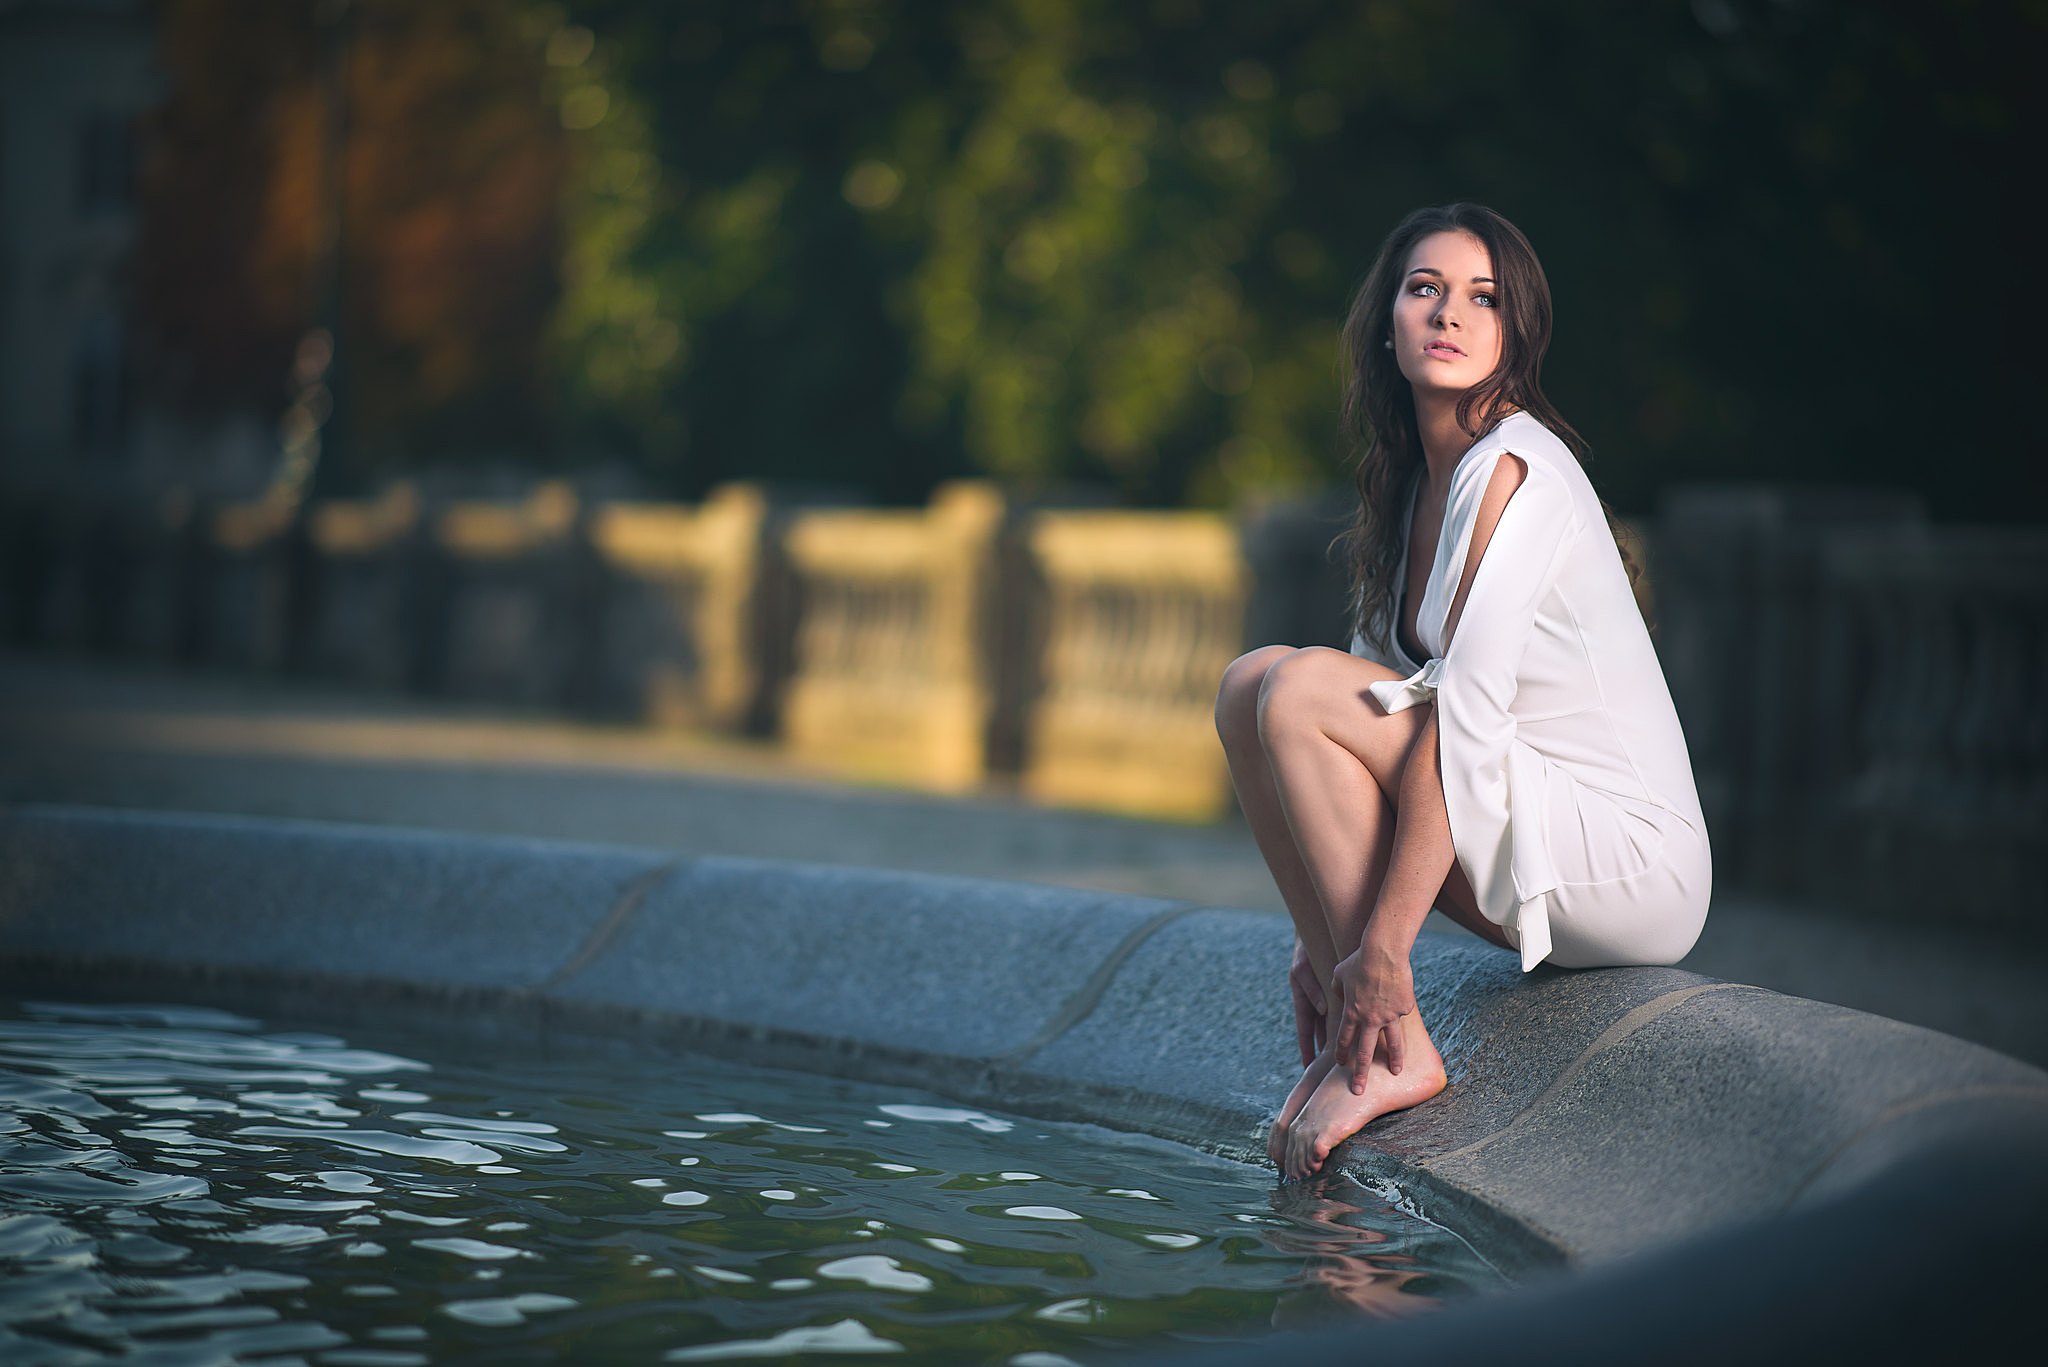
(1487, 297)
(1425, 285)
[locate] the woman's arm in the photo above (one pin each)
(1377, 982)
(1422, 853)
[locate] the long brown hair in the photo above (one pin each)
(1379, 405)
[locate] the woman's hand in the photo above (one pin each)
(1375, 990)
(1310, 1023)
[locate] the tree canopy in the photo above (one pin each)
(887, 242)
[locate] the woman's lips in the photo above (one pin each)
(1443, 349)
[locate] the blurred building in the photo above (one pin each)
(74, 75)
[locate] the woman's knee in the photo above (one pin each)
(1237, 697)
(1292, 686)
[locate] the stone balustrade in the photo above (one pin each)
(364, 618)
(1740, 621)
(248, 579)
(116, 575)
(1142, 612)
(1927, 791)
(685, 616)
(1859, 688)
(893, 669)
(503, 596)
(155, 585)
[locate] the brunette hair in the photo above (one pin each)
(1379, 406)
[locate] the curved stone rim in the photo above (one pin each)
(1592, 1114)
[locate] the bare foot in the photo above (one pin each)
(1311, 1078)
(1334, 1114)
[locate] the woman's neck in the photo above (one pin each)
(1443, 441)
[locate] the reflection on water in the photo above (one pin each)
(187, 1181)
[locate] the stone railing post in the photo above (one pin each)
(891, 674)
(501, 598)
(249, 593)
(1299, 583)
(681, 609)
(1141, 613)
(162, 614)
(363, 605)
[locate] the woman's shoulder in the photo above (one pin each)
(1551, 466)
(1525, 435)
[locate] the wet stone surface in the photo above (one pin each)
(207, 1187)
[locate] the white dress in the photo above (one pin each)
(1566, 777)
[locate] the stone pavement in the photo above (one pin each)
(116, 733)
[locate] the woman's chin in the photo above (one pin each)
(1442, 382)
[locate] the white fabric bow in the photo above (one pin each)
(1396, 695)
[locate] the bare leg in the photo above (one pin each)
(1363, 752)
(1252, 776)
(1335, 808)
(1237, 725)
(1337, 760)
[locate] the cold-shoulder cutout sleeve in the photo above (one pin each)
(1493, 788)
(1508, 475)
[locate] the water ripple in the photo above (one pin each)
(683, 1209)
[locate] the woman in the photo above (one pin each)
(1500, 742)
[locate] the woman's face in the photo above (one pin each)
(1446, 326)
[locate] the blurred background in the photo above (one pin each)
(888, 244)
(864, 429)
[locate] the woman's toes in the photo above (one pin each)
(1298, 1164)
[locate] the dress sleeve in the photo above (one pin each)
(1493, 788)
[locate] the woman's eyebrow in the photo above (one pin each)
(1431, 270)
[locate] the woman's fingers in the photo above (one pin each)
(1362, 1040)
(1347, 1038)
(1362, 1064)
(1304, 1029)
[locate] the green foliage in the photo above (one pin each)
(617, 336)
(886, 242)
(1081, 288)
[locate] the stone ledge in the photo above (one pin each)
(302, 896)
(960, 967)
(1591, 1114)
